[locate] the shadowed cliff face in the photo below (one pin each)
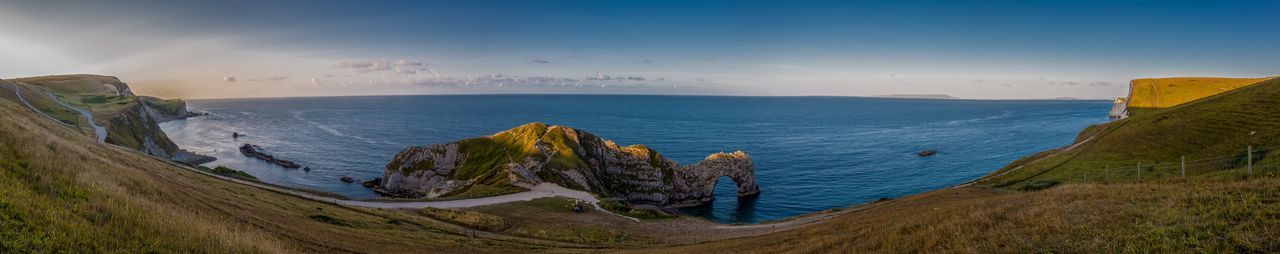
(535, 153)
(129, 120)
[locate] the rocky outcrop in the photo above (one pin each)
(535, 153)
(257, 152)
(163, 110)
(133, 127)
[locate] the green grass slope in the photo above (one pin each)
(62, 192)
(1213, 134)
(110, 102)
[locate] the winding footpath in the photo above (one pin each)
(97, 129)
(17, 91)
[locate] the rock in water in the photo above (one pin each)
(348, 179)
(256, 152)
(927, 153)
(372, 183)
(535, 153)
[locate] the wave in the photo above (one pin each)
(1002, 115)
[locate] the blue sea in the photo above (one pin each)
(811, 153)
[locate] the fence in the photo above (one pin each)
(1252, 161)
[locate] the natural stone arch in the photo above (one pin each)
(699, 180)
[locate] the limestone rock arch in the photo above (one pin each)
(699, 180)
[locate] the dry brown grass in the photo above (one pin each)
(1222, 215)
(469, 219)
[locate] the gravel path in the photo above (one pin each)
(97, 129)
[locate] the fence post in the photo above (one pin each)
(1139, 171)
(1184, 166)
(1250, 159)
(1106, 170)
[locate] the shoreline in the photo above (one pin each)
(541, 191)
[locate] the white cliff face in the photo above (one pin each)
(425, 172)
(571, 158)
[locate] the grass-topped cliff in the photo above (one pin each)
(129, 120)
(62, 192)
(1154, 93)
(1217, 129)
(536, 153)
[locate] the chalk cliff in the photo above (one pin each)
(535, 153)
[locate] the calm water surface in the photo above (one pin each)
(811, 153)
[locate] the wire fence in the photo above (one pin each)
(1252, 161)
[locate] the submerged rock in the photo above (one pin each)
(348, 179)
(536, 153)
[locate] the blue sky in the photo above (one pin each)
(971, 49)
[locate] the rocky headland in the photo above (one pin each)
(536, 153)
(128, 120)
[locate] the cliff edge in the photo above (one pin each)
(104, 107)
(536, 152)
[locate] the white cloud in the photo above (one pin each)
(272, 78)
(399, 66)
(229, 79)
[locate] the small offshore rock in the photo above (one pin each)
(372, 183)
(348, 179)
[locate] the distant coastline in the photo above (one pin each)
(920, 96)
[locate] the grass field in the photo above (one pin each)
(1149, 93)
(1218, 126)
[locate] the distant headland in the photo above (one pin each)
(920, 96)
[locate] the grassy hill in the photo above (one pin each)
(1213, 134)
(129, 120)
(1153, 93)
(62, 192)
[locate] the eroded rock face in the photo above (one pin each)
(422, 171)
(535, 153)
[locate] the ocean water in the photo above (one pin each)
(811, 153)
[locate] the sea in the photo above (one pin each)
(811, 153)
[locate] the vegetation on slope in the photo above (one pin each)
(111, 104)
(1197, 215)
(1151, 93)
(228, 172)
(62, 192)
(1219, 126)
(172, 107)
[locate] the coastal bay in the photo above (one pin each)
(812, 153)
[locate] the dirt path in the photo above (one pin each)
(100, 131)
(17, 90)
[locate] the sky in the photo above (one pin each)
(967, 49)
